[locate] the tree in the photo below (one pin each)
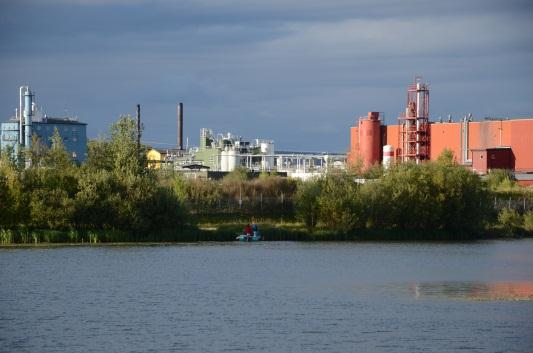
(127, 157)
(99, 155)
(339, 207)
(307, 203)
(57, 156)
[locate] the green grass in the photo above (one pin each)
(226, 229)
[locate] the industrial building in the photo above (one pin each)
(482, 145)
(17, 133)
(226, 152)
(218, 154)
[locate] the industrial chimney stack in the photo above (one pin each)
(180, 126)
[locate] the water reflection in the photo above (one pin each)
(522, 290)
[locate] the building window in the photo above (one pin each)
(74, 155)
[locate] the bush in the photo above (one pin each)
(528, 221)
(510, 221)
(307, 205)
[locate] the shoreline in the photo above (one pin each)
(226, 233)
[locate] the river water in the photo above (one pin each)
(269, 297)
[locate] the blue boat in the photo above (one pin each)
(246, 237)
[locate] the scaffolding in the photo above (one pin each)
(413, 134)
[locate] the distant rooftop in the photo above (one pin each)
(51, 120)
(65, 120)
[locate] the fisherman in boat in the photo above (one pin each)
(248, 231)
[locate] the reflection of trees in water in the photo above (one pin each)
(475, 290)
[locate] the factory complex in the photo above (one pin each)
(218, 154)
(481, 145)
(29, 122)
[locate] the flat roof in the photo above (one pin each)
(491, 148)
(48, 120)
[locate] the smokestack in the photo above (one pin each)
(180, 126)
(21, 115)
(138, 128)
(28, 100)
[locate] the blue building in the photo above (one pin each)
(17, 132)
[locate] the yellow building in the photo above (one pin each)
(155, 158)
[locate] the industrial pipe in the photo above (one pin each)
(20, 116)
(28, 100)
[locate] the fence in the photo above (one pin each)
(258, 205)
(520, 204)
(284, 206)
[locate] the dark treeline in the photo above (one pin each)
(115, 192)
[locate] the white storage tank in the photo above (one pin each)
(388, 156)
(224, 160)
(232, 160)
(267, 150)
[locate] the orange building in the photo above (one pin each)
(507, 143)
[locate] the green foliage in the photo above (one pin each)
(501, 180)
(51, 208)
(510, 220)
(306, 203)
(438, 195)
(446, 157)
(100, 156)
(127, 157)
(374, 172)
(340, 208)
(57, 156)
(13, 209)
(528, 221)
(113, 190)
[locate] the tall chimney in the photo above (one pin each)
(180, 126)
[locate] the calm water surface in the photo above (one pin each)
(270, 297)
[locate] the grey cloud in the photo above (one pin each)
(295, 71)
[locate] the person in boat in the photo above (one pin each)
(248, 230)
(255, 230)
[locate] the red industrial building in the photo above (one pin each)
(483, 145)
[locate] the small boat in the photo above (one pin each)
(246, 237)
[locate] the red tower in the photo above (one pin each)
(413, 144)
(370, 139)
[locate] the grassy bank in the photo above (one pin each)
(223, 232)
(39, 236)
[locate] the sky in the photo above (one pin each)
(299, 72)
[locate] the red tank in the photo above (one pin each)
(370, 139)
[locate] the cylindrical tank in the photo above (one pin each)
(267, 149)
(232, 160)
(223, 161)
(370, 139)
(388, 156)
